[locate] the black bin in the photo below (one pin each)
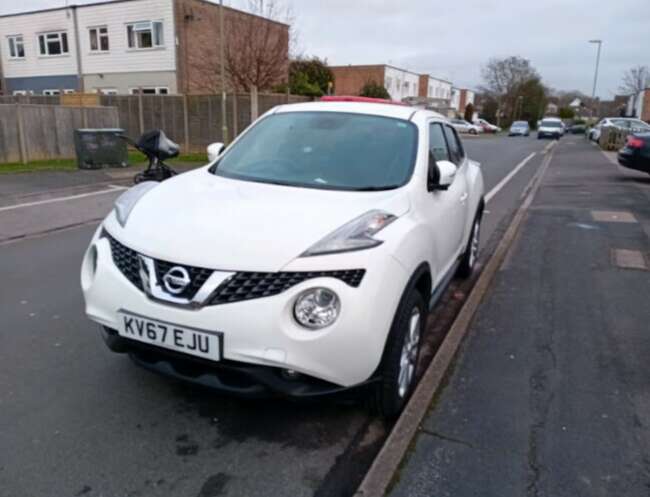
(97, 148)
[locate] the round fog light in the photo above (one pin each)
(316, 308)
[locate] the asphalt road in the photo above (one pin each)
(77, 420)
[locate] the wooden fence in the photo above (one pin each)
(41, 132)
(193, 121)
(612, 138)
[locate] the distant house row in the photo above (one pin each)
(120, 46)
(404, 86)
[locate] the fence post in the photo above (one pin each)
(254, 103)
(235, 117)
(84, 117)
(186, 124)
(21, 133)
(140, 112)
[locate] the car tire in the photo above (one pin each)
(473, 132)
(400, 359)
(468, 260)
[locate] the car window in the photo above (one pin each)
(437, 142)
(456, 152)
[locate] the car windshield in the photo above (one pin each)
(551, 124)
(519, 124)
(327, 150)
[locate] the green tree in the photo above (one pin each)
(469, 113)
(309, 77)
(374, 90)
(566, 113)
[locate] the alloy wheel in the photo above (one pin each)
(473, 248)
(409, 355)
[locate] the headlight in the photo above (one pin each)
(126, 202)
(316, 308)
(355, 235)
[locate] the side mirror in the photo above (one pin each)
(441, 174)
(215, 150)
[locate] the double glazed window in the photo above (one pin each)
(53, 43)
(16, 47)
(146, 34)
(99, 39)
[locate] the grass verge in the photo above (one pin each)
(135, 159)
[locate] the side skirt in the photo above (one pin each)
(442, 286)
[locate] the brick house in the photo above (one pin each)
(128, 46)
(400, 83)
(638, 105)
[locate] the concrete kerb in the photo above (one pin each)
(383, 469)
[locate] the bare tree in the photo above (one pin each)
(258, 50)
(635, 79)
(504, 80)
(257, 45)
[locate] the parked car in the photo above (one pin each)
(463, 126)
(578, 129)
(486, 126)
(636, 152)
(519, 128)
(625, 123)
(550, 128)
(301, 261)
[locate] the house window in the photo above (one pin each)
(147, 34)
(150, 90)
(388, 83)
(53, 43)
(98, 39)
(16, 47)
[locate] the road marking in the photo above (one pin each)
(510, 175)
(112, 189)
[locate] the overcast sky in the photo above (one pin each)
(454, 38)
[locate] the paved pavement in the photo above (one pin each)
(550, 395)
(80, 420)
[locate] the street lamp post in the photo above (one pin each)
(222, 42)
(593, 92)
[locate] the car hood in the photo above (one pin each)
(204, 220)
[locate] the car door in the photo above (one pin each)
(445, 209)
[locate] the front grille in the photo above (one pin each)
(241, 286)
(250, 285)
(198, 276)
(126, 261)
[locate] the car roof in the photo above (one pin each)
(551, 119)
(370, 108)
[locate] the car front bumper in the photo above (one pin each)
(262, 331)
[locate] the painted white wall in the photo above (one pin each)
(438, 88)
(455, 98)
(115, 16)
(34, 64)
(400, 84)
(121, 58)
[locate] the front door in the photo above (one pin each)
(446, 209)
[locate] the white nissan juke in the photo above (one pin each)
(301, 261)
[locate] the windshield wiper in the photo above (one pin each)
(375, 188)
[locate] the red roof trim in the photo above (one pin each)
(352, 98)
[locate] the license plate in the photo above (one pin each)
(201, 343)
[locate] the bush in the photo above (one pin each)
(374, 90)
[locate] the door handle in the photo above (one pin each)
(463, 197)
